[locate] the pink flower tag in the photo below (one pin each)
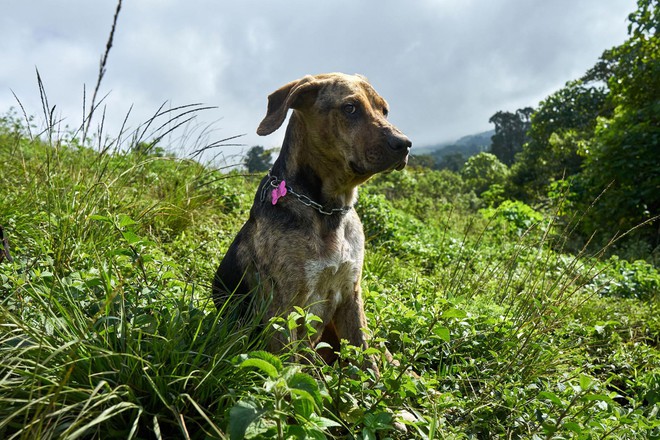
(278, 192)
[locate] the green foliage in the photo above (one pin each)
(119, 347)
(622, 169)
(107, 328)
(285, 393)
(482, 171)
(428, 195)
(510, 133)
(421, 161)
(560, 126)
(516, 216)
(601, 131)
(622, 160)
(452, 162)
(621, 278)
(102, 330)
(257, 159)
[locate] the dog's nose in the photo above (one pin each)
(398, 142)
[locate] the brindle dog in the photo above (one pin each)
(303, 243)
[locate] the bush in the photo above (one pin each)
(482, 171)
(107, 328)
(517, 217)
(624, 279)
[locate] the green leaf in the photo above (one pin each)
(551, 397)
(572, 426)
(241, 416)
(453, 313)
(314, 434)
(323, 422)
(586, 382)
(100, 218)
(295, 432)
(125, 220)
(268, 357)
(321, 345)
(598, 397)
(368, 434)
(443, 333)
(130, 237)
(262, 365)
(305, 382)
(120, 251)
(303, 403)
(378, 421)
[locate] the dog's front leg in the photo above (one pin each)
(350, 320)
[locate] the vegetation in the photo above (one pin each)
(505, 319)
(597, 140)
(108, 330)
(257, 159)
(451, 156)
(510, 133)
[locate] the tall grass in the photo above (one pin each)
(102, 332)
(108, 331)
(107, 328)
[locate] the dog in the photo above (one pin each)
(303, 243)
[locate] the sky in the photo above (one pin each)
(444, 66)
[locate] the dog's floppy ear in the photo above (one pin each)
(281, 100)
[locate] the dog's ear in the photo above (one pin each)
(284, 98)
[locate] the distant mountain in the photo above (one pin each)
(467, 146)
(452, 155)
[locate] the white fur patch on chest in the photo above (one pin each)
(332, 278)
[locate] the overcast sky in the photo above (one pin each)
(445, 66)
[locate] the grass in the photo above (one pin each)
(107, 329)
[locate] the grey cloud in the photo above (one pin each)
(445, 67)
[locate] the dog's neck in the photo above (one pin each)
(317, 179)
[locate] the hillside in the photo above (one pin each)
(107, 329)
(467, 145)
(451, 155)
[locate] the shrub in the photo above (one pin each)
(482, 171)
(624, 279)
(517, 217)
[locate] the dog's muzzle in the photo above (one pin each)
(400, 145)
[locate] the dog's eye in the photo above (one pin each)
(385, 112)
(350, 109)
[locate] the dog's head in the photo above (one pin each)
(345, 121)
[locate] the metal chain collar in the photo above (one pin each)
(274, 182)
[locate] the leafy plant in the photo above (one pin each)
(516, 216)
(286, 405)
(621, 278)
(107, 327)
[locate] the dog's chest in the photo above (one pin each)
(332, 275)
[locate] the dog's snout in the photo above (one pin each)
(398, 142)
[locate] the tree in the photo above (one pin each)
(452, 162)
(148, 149)
(510, 133)
(421, 161)
(559, 128)
(624, 155)
(257, 159)
(482, 171)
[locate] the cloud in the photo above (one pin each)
(445, 67)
